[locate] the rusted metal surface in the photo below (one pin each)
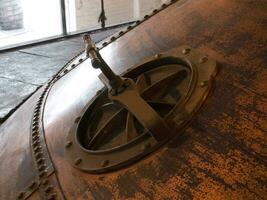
(222, 153)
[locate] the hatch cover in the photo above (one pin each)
(162, 94)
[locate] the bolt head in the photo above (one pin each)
(203, 59)
(186, 51)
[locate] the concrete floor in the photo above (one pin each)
(23, 71)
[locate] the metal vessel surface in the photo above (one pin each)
(219, 154)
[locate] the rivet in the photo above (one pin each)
(203, 59)
(40, 161)
(66, 71)
(157, 56)
(104, 44)
(129, 27)
(137, 21)
(68, 144)
(73, 65)
(37, 148)
(52, 196)
(20, 195)
(48, 189)
(36, 142)
(36, 137)
(45, 182)
(42, 173)
(80, 60)
(32, 185)
(38, 155)
(156, 10)
(146, 16)
(77, 161)
(77, 120)
(104, 163)
(112, 38)
(34, 133)
(163, 5)
(186, 51)
(42, 167)
(121, 32)
(203, 83)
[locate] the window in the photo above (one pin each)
(24, 21)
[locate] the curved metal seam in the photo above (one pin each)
(42, 161)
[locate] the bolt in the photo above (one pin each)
(203, 83)
(68, 144)
(203, 59)
(104, 163)
(77, 161)
(186, 51)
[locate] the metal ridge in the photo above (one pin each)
(42, 160)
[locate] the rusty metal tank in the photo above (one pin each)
(178, 112)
